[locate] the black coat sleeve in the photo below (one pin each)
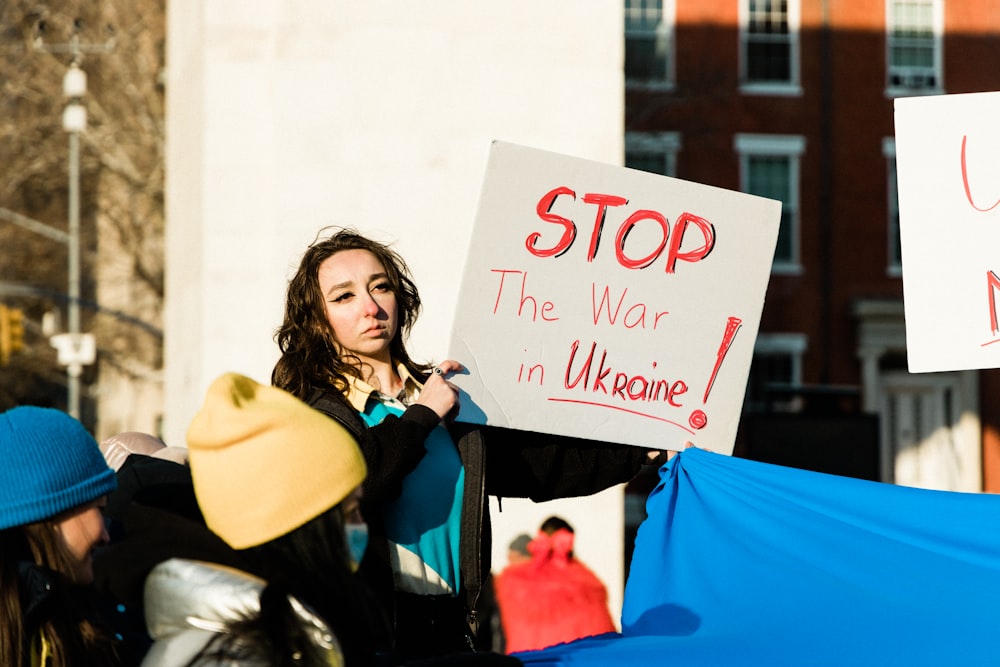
(392, 449)
(539, 466)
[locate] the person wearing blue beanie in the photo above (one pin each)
(53, 483)
(50, 464)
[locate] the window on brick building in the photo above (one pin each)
(775, 371)
(769, 32)
(769, 167)
(913, 45)
(649, 42)
(894, 261)
(655, 152)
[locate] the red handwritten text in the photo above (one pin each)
(604, 379)
(531, 372)
(968, 188)
(603, 203)
(547, 306)
(635, 315)
(992, 285)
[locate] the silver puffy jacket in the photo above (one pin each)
(188, 603)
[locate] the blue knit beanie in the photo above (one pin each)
(49, 463)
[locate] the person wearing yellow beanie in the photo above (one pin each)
(278, 482)
(263, 463)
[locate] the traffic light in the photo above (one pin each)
(4, 336)
(15, 329)
(11, 332)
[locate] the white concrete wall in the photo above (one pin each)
(286, 116)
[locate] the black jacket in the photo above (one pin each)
(45, 596)
(153, 516)
(498, 461)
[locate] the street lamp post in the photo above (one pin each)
(74, 122)
(76, 350)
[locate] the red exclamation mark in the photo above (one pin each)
(698, 418)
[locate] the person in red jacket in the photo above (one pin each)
(552, 598)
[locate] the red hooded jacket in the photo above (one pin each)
(552, 598)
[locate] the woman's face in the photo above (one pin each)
(360, 303)
(82, 530)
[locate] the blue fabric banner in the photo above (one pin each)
(747, 563)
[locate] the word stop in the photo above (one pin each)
(675, 237)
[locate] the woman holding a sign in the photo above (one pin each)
(348, 311)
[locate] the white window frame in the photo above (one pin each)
(793, 86)
(937, 69)
(667, 144)
(666, 31)
(893, 265)
(790, 345)
(791, 147)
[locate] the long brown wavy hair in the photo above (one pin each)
(311, 356)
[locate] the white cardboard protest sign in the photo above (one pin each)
(608, 303)
(948, 174)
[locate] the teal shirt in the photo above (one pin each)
(423, 525)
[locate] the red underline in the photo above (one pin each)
(990, 342)
(621, 409)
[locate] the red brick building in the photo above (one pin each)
(794, 100)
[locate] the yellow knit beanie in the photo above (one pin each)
(264, 463)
